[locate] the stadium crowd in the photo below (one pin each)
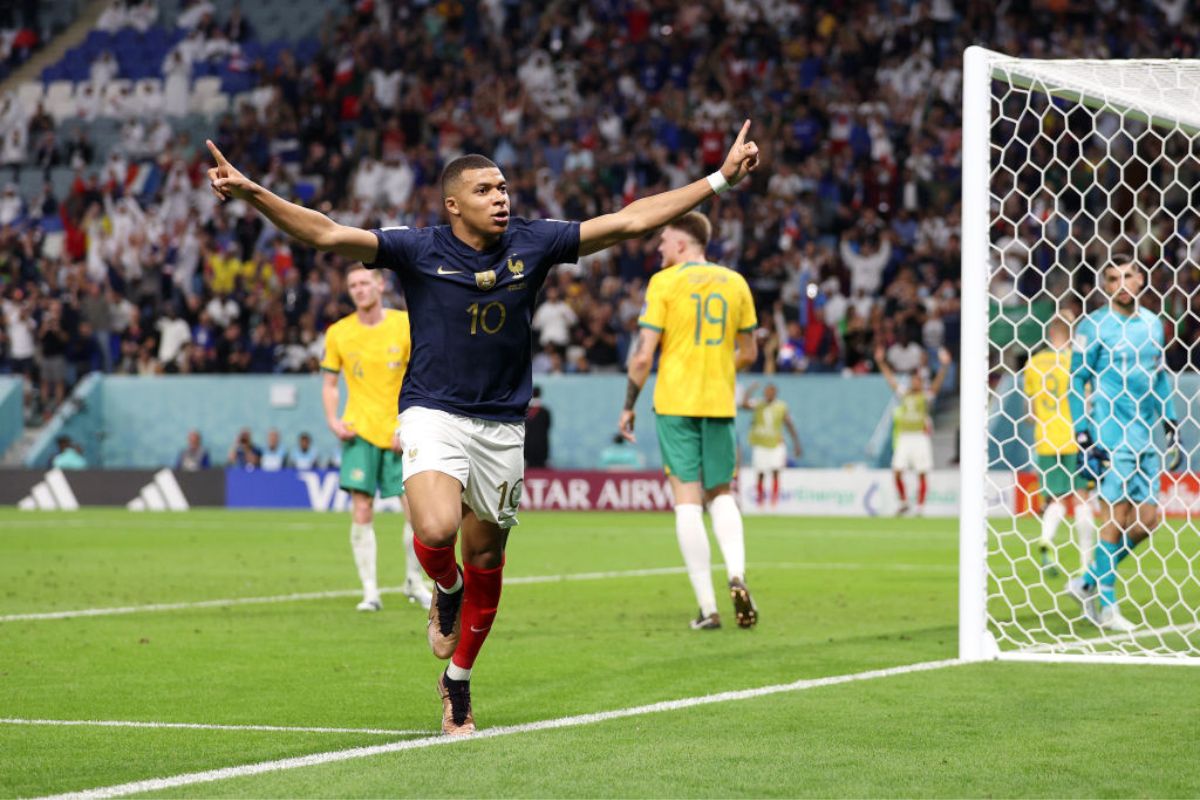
(849, 238)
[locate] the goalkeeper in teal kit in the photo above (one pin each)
(1119, 358)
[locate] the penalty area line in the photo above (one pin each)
(516, 580)
(316, 759)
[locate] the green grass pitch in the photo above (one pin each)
(836, 596)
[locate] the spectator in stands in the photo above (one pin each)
(195, 456)
(177, 78)
(45, 151)
(12, 207)
(19, 328)
(173, 335)
(553, 320)
(237, 28)
(866, 256)
(537, 432)
(79, 151)
(83, 353)
(274, 455)
(303, 456)
(232, 354)
(97, 314)
(53, 340)
(194, 14)
(857, 341)
(906, 356)
(69, 455)
(104, 69)
(244, 453)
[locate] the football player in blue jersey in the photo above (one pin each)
(470, 288)
(1119, 355)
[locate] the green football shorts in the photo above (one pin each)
(695, 448)
(367, 469)
(1060, 475)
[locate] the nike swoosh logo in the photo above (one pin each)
(479, 630)
(444, 271)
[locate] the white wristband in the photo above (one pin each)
(717, 182)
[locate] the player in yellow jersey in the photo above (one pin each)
(1047, 384)
(767, 451)
(702, 315)
(912, 427)
(371, 348)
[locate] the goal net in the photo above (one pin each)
(1081, 245)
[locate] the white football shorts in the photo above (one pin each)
(913, 451)
(768, 458)
(485, 456)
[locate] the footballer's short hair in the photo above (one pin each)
(695, 225)
(1118, 262)
(454, 170)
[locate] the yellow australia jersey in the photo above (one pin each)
(700, 309)
(767, 428)
(373, 359)
(1048, 387)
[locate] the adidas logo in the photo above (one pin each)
(53, 493)
(161, 494)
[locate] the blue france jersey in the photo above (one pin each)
(1122, 359)
(470, 313)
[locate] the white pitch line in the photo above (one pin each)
(208, 776)
(200, 726)
(516, 580)
(235, 601)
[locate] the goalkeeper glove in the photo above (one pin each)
(1172, 456)
(1093, 459)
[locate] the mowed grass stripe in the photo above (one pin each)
(516, 580)
(204, 726)
(208, 776)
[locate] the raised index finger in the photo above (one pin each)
(217, 154)
(741, 137)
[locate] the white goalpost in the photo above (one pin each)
(1069, 166)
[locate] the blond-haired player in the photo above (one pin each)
(1047, 384)
(370, 348)
(702, 315)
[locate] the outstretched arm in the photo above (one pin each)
(304, 224)
(748, 397)
(944, 360)
(885, 369)
(642, 216)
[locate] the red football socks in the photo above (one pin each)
(438, 563)
(899, 490)
(481, 596)
(922, 489)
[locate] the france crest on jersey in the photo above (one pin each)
(1122, 359)
(471, 313)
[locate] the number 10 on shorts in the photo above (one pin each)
(510, 497)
